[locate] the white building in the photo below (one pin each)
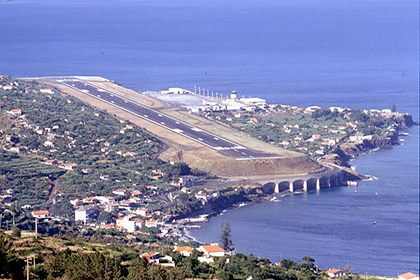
(143, 211)
(212, 250)
(111, 207)
(106, 199)
(151, 223)
(408, 276)
(83, 213)
(46, 90)
(254, 101)
(121, 192)
(40, 214)
(128, 224)
(186, 251)
(335, 272)
(175, 91)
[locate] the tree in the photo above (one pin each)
(393, 108)
(11, 266)
(225, 237)
(308, 260)
(16, 232)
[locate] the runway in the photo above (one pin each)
(224, 146)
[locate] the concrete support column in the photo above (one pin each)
(340, 178)
(291, 187)
(277, 188)
(305, 185)
(318, 184)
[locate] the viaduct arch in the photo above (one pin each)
(305, 183)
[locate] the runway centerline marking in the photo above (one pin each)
(226, 145)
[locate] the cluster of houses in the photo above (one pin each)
(327, 137)
(336, 273)
(14, 86)
(315, 145)
(67, 166)
(132, 216)
(209, 252)
(48, 132)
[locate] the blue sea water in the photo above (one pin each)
(357, 54)
(335, 226)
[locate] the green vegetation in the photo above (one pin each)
(393, 108)
(11, 265)
(225, 237)
(55, 148)
(63, 258)
(313, 131)
(92, 150)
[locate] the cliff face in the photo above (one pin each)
(348, 150)
(405, 120)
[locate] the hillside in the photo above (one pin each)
(63, 146)
(67, 258)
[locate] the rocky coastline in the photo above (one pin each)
(347, 151)
(341, 156)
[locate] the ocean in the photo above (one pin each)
(372, 228)
(360, 54)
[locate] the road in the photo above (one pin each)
(224, 146)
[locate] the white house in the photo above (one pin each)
(143, 211)
(106, 199)
(16, 112)
(128, 224)
(186, 251)
(206, 259)
(83, 213)
(46, 90)
(139, 223)
(156, 258)
(40, 214)
(111, 207)
(76, 202)
(151, 223)
(408, 276)
(212, 250)
(121, 192)
(313, 108)
(335, 272)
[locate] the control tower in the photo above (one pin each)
(234, 95)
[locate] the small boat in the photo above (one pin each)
(374, 223)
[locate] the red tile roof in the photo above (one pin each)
(212, 248)
(408, 275)
(41, 212)
(333, 270)
(184, 248)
